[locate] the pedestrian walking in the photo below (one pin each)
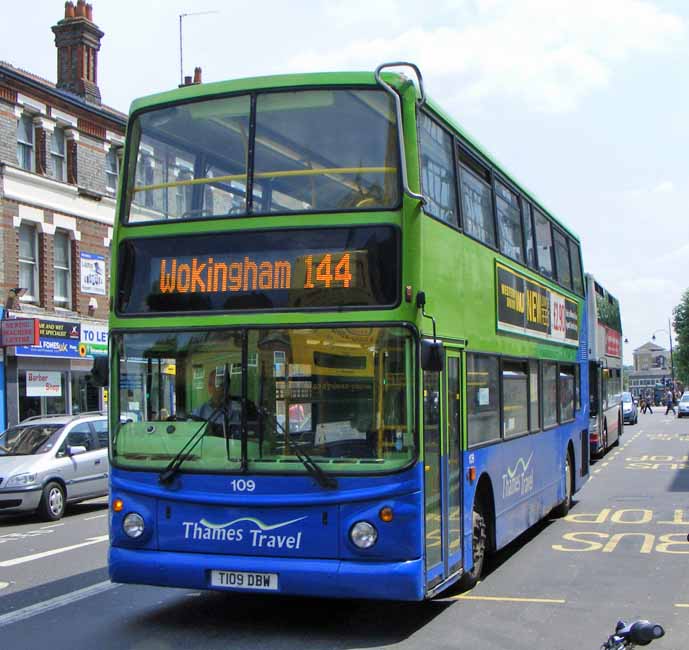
(670, 404)
(646, 405)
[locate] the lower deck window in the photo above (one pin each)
(549, 394)
(515, 398)
(567, 389)
(483, 399)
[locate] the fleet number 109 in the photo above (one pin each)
(240, 485)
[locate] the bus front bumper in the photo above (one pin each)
(296, 577)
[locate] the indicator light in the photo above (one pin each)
(118, 505)
(385, 514)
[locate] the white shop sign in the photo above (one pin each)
(43, 384)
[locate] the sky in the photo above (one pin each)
(585, 102)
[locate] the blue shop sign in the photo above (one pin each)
(57, 339)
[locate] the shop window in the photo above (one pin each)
(25, 143)
(36, 399)
(515, 403)
(483, 399)
(437, 171)
(62, 270)
(85, 395)
(28, 261)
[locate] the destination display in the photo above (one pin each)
(286, 269)
(532, 309)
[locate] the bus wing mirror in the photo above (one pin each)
(100, 371)
(432, 358)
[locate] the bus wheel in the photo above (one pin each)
(562, 509)
(604, 449)
(479, 545)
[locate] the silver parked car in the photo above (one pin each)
(683, 405)
(47, 462)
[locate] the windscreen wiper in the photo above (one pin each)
(322, 478)
(168, 474)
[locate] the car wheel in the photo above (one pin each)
(52, 505)
(562, 509)
(479, 546)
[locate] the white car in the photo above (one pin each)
(47, 462)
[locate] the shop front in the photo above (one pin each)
(54, 377)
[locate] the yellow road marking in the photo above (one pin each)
(682, 605)
(511, 599)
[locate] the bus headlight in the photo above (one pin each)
(133, 525)
(363, 534)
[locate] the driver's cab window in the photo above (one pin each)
(79, 436)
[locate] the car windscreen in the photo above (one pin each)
(29, 439)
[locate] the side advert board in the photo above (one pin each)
(529, 308)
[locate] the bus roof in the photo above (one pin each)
(196, 91)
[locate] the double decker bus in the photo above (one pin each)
(347, 349)
(605, 368)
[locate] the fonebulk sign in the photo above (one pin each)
(43, 384)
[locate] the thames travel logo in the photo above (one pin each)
(259, 534)
(518, 480)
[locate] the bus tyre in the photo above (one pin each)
(604, 448)
(562, 509)
(479, 545)
(52, 505)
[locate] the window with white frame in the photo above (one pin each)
(57, 154)
(25, 143)
(63, 270)
(28, 261)
(111, 170)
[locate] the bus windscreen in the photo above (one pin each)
(297, 151)
(292, 269)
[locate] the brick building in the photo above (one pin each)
(59, 164)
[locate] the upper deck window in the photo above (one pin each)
(310, 151)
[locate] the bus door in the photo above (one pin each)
(442, 470)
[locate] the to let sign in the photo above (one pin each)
(19, 331)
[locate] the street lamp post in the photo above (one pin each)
(181, 60)
(672, 363)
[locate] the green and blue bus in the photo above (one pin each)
(347, 348)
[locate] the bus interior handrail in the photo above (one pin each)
(398, 110)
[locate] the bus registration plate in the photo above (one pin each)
(244, 580)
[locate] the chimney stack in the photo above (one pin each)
(197, 75)
(77, 39)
